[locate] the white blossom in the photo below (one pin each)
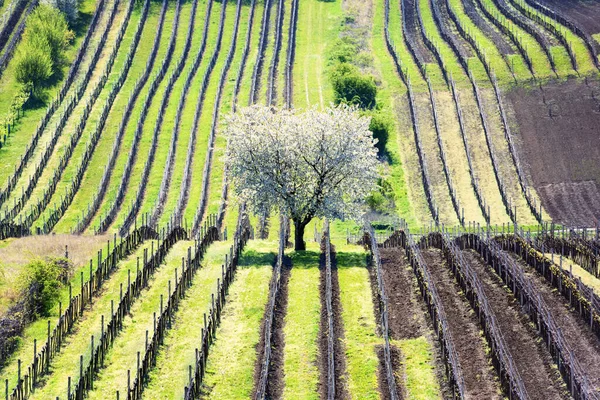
(306, 165)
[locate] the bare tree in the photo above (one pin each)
(314, 164)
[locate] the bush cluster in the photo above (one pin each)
(347, 61)
(41, 52)
(41, 284)
(39, 287)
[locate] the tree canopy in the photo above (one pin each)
(41, 53)
(306, 165)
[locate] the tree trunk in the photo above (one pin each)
(299, 244)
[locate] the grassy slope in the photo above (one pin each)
(539, 59)
(239, 333)
(93, 119)
(49, 132)
(97, 163)
(149, 125)
(66, 363)
(187, 116)
(128, 138)
(17, 142)
(360, 336)
(410, 203)
(216, 174)
(301, 327)
(76, 115)
(164, 140)
(206, 119)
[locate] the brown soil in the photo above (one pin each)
(384, 390)
(275, 380)
(577, 334)
(532, 359)
(397, 278)
(556, 131)
(414, 31)
(339, 355)
(275, 383)
(583, 13)
(481, 381)
(487, 27)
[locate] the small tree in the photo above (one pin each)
(48, 24)
(33, 65)
(315, 164)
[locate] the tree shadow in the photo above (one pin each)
(348, 260)
(305, 259)
(253, 258)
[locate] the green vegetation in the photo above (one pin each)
(41, 284)
(360, 332)
(301, 327)
(350, 87)
(420, 378)
(239, 333)
(41, 53)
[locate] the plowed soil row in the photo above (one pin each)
(541, 380)
(487, 27)
(275, 381)
(558, 137)
(414, 31)
(577, 334)
(341, 391)
(408, 318)
(481, 381)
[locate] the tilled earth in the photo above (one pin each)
(584, 13)
(397, 278)
(540, 378)
(481, 381)
(580, 338)
(556, 131)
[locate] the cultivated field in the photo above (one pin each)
(475, 277)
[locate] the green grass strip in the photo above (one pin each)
(239, 332)
(360, 331)
(318, 26)
(420, 378)
(301, 327)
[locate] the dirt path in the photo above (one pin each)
(481, 382)
(540, 378)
